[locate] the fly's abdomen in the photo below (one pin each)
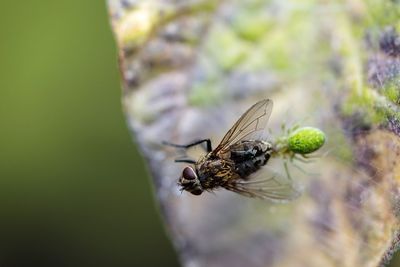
(249, 156)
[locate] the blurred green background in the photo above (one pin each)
(73, 189)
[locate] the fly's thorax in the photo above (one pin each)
(214, 171)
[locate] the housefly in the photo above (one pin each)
(238, 163)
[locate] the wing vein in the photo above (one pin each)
(252, 121)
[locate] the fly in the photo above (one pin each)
(238, 163)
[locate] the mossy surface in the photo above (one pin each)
(336, 66)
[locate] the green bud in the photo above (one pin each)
(306, 140)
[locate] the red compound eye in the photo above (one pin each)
(189, 174)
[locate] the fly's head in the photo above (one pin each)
(190, 182)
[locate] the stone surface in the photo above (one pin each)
(190, 68)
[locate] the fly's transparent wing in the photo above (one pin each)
(266, 184)
(250, 125)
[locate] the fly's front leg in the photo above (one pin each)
(207, 141)
(185, 160)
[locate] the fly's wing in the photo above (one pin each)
(266, 184)
(250, 125)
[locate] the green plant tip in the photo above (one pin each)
(306, 140)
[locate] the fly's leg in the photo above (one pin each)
(190, 161)
(185, 159)
(207, 141)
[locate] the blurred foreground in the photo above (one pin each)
(73, 189)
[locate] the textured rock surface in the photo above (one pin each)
(190, 68)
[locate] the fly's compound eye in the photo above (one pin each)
(189, 174)
(190, 182)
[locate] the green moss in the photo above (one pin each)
(281, 44)
(137, 25)
(251, 25)
(364, 102)
(275, 48)
(366, 106)
(381, 13)
(202, 6)
(227, 49)
(205, 93)
(392, 91)
(306, 140)
(255, 62)
(344, 151)
(354, 101)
